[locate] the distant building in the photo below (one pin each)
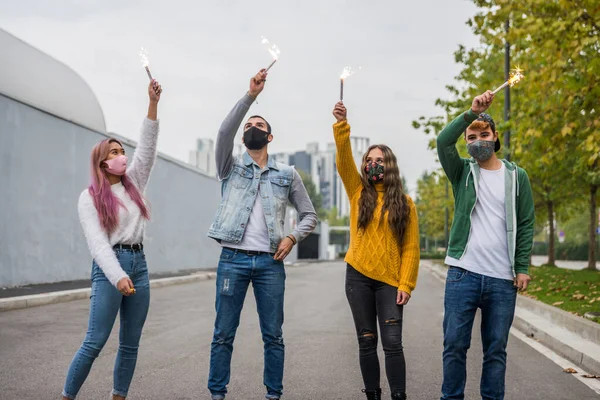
(203, 157)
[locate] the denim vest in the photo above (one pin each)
(238, 193)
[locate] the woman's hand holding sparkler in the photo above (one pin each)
(154, 92)
(340, 112)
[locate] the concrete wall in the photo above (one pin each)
(44, 166)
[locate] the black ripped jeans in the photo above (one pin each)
(371, 300)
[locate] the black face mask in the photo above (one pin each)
(255, 138)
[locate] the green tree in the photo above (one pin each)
(315, 197)
(431, 204)
(554, 123)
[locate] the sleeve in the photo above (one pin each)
(97, 240)
(306, 212)
(144, 155)
(525, 224)
(344, 160)
(226, 136)
(451, 161)
(411, 252)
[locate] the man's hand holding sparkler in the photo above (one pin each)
(482, 102)
(257, 83)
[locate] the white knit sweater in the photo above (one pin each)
(131, 223)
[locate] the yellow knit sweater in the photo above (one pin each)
(374, 251)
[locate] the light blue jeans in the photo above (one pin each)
(106, 302)
(236, 271)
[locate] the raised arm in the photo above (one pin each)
(229, 127)
(144, 155)
(344, 159)
(446, 141)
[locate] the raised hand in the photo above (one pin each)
(340, 112)
(482, 102)
(257, 83)
(154, 91)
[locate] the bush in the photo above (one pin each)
(433, 256)
(565, 251)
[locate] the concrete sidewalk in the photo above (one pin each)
(61, 296)
(574, 338)
(38, 295)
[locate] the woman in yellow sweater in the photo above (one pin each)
(383, 257)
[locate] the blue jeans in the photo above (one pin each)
(466, 292)
(235, 272)
(106, 301)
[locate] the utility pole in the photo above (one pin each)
(507, 91)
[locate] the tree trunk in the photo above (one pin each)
(593, 224)
(551, 235)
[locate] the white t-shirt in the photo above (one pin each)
(256, 235)
(487, 248)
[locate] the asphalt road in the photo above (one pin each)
(37, 344)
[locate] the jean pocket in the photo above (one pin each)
(227, 254)
(455, 274)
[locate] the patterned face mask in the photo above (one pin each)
(481, 150)
(374, 172)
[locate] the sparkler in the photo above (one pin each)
(145, 61)
(273, 49)
(348, 71)
(515, 77)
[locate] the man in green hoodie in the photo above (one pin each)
(489, 249)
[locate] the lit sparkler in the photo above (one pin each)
(273, 49)
(347, 72)
(145, 61)
(515, 77)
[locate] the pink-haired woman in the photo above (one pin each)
(113, 214)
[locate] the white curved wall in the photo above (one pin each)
(38, 80)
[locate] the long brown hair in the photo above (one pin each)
(394, 198)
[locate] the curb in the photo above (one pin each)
(35, 300)
(572, 354)
(581, 328)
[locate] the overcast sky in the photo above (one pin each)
(204, 52)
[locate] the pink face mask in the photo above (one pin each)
(117, 165)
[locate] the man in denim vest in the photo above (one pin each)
(249, 225)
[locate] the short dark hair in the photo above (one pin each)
(266, 122)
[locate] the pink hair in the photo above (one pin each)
(107, 204)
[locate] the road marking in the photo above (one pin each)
(593, 384)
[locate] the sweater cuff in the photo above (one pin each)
(117, 278)
(151, 124)
(524, 269)
(470, 116)
(248, 100)
(405, 288)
